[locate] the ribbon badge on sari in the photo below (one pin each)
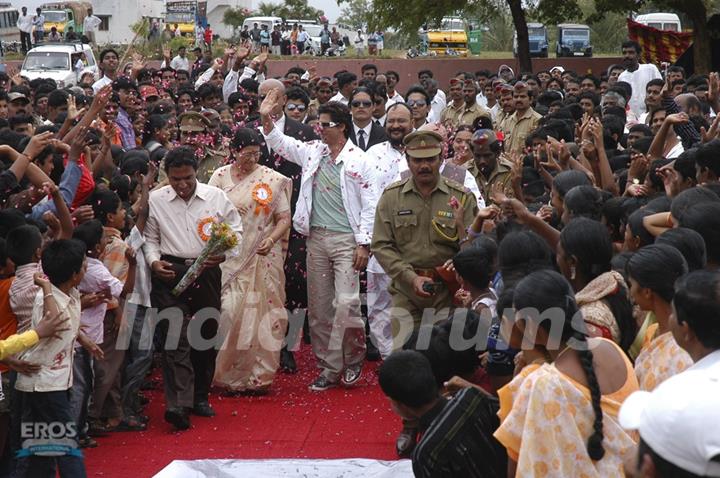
(263, 196)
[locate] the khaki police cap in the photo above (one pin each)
(423, 144)
(193, 121)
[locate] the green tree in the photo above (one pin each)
(235, 17)
(289, 9)
(356, 13)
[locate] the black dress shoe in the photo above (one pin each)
(287, 361)
(405, 442)
(177, 417)
(203, 409)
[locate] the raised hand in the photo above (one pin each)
(677, 118)
(270, 102)
(38, 143)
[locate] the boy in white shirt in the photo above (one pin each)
(46, 392)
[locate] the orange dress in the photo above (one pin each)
(551, 419)
(659, 359)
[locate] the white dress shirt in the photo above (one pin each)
(24, 23)
(174, 225)
(54, 355)
(366, 133)
(357, 185)
(180, 63)
(91, 23)
(234, 78)
(481, 100)
(340, 98)
(396, 98)
(639, 79)
(437, 105)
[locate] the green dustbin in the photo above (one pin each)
(475, 40)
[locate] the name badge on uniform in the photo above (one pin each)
(405, 212)
(446, 214)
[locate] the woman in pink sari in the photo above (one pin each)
(253, 317)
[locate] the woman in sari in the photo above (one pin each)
(253, 316)
(562, 419)
(653, 271)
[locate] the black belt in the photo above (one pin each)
(177, 260)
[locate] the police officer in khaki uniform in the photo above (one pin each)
(416, 231)
(193, 126)
(492, 166)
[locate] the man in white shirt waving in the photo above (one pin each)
(336, 211)
(636, 75)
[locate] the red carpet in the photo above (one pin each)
(291, 422)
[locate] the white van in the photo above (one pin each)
(661, 21)
(269, 21)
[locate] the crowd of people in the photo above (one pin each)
(538, 253)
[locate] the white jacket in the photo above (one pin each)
(359, 192)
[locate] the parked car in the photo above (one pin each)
(573, 39)
(538, 37)
(57, 61)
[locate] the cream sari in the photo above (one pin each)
(253, 316)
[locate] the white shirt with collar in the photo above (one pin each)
(380, 120)
(25, 23)
(234, 78)
(366, 130)
(180, 228)
(340, 98)
(437, 105)
(180, 63)
(357, 185)
(54, 355)
(395, 98)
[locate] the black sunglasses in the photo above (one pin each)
(358, 103)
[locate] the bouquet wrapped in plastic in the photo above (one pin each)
(222, 239)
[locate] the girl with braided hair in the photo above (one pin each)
(563, 419)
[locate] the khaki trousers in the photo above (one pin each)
(337, 329)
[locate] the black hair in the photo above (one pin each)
(425, 72)
(361, 89)
(657, 267)
(22, 242)
(245, 137)
(420, 90)
(104, 202)
(690, 198)
(393, 73)
(20, 120)
(10, 219)
(642, 128)
(475, 266)
(57, 98)
(685, 165)
(345, 78)
(188, 91)
(122, 185)
(63, 258)
(543, 290)
(236, 98)
(704, 218)
(295, 70)
(690, 244)
(642, 145)
(522, 252)
(90, 233)
(368, 66)
(153, 124)
(584, 201)
(637, 229)
(339, 113)
(589, 242)
(663, 468)
(106, 51)
(594, 97)
(179, 157)
(707, 156)
(567, 180)
(207, 90)
(297, 93)
(134, 161)
(406, 376)
(697, 303)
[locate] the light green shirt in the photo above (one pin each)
(328, 211)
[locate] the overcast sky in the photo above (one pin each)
(330, 7)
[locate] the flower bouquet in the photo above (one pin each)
(222, 239)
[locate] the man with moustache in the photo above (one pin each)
(637, 75)
(420, 223)
(487, 151)
(525, 119)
